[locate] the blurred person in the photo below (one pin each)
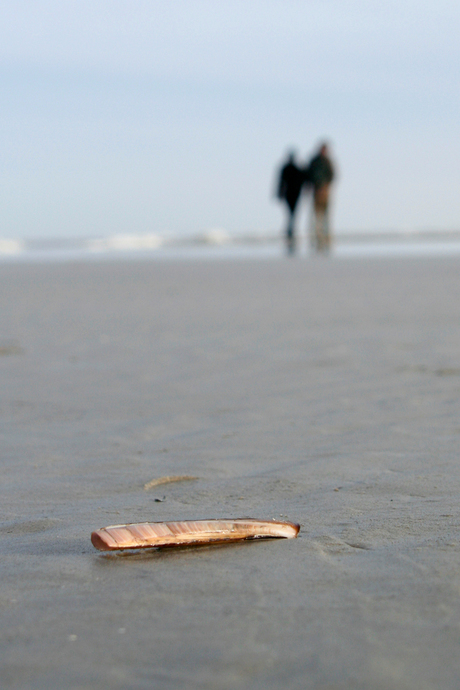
(289, 187)
(320, 174)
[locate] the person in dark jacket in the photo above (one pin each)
(320, 174)
(290, 185)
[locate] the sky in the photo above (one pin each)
(172, 116)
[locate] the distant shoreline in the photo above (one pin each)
(222, 246)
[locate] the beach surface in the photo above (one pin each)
(321, 391)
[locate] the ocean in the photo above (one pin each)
(218, 244)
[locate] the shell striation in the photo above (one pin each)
(188, 532)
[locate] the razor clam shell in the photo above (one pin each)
(156, 534)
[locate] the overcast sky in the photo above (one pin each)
(173, 115)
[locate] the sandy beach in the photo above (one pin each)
(323, 391)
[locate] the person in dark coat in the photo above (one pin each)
(320, 174)
(290, 185)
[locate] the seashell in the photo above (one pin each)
(188, 532)
(168, 480)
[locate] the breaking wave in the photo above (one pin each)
(11, 247)
(124, 243)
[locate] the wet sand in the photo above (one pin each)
(321, 390)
